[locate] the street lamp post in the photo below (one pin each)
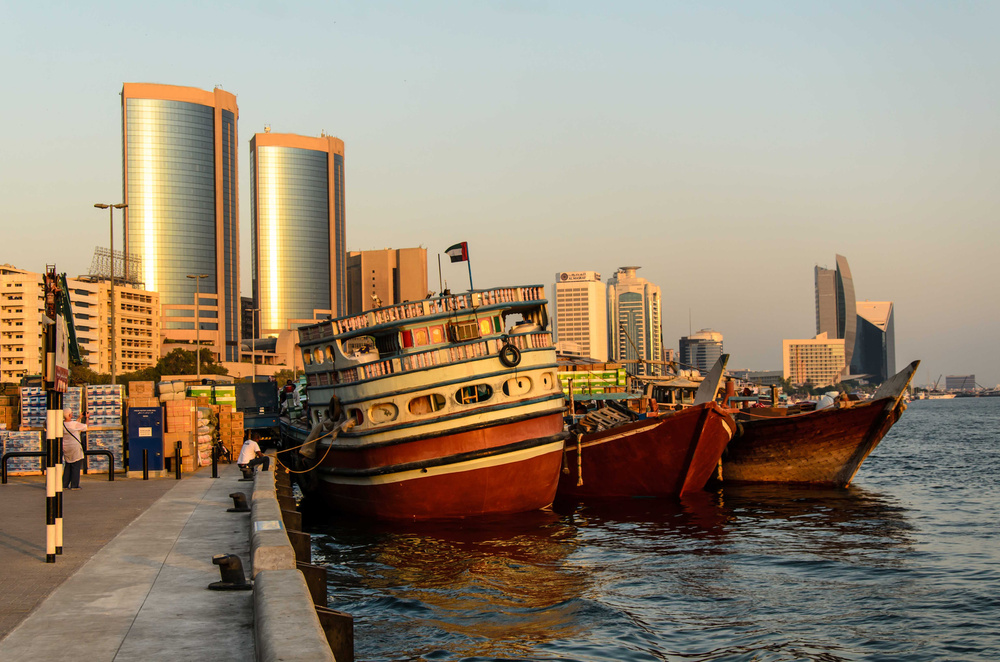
(197, 321)
(253, 347)
(111, 211)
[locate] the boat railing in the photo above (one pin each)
(428, 359)
(415, 309)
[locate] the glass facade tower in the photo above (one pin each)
(634, 322)
(181, 187)
(298, 229)
(836, 313)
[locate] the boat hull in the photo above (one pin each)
(504, 468)
(648, 458)
(823, 447)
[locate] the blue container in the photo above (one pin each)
(145, 432)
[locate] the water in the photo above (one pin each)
(903, 565)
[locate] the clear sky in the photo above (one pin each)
(727, 148)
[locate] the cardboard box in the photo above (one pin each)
(140, 389)
(170, 440)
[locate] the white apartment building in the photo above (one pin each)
(22, 308)
(581, 318)
(634, 322)
(819, 361)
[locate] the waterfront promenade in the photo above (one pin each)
(132, 581)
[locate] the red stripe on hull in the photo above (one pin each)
(498, 488)
(494, 436)
(659, 457)
(825, 447)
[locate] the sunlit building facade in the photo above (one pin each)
(22, 313)
(581, 315)
(818, 361)
(385, 277)
(634, 324)
(298, 229)
(181, 187)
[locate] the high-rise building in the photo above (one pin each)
(836, 314)
(634, 324)
(137, 325)
(181, 188)
(875, 341)
(701, 350)
(298, 229)
(581, 315)
(385, 277)
(22, 311)
(818, 361)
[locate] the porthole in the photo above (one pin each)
(357, 415)
(383, 412)
(547, 381)
(516, 386)
(426, 404)
(468, 395)
(307, 357)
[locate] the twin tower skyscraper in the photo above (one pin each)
(180, 182)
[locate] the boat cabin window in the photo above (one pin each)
(462, 331)
(307, 357)
(468, 395)
(318, 355)
(427, 404)
(516, 386)
(359, 345)
(383, 412)
(329, 353)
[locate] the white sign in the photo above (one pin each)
(62, 356)
(145, 432)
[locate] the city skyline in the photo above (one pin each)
(726, 149)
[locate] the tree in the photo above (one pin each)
(182, 362)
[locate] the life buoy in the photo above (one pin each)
(510, 356)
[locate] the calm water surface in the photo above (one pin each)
(903, 565)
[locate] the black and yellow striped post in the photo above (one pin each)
(53, 477)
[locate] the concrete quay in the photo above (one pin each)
(132, 581)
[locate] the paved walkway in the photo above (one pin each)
(143, 595)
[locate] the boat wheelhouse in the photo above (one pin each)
(454, 414)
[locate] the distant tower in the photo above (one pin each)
(582, 313)
(634, 324)
(701, 350)
(875, 342)
(297, 229)
(836, 312)
(180, 173)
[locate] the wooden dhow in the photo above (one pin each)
(452, 416)
(823, 447)
(661, 455)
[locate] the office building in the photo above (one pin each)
(298, 229)
(181, 188)
(759, 377)
(385, 277)
(875, 341)
(22, 310)
(634, 325)
(701, 350)
(818, 361)
(836, 314)
(960, 382)
(581, 315)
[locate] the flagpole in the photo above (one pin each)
(440, 283)
(469, 262)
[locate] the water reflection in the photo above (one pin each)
(488, 587)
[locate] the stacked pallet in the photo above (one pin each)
(179, 426)
(10, 407)
(23, 441)
(206, 433)
(593, 378)
(141, 394)
(231, 429)
(171, 390)
(33, 414)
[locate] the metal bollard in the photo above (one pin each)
(215, 461)
(239, 503)
(231, 569)
(145, 464)
(177, 461)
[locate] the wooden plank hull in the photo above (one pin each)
(500, 469)
(649, 458)
(823, 447)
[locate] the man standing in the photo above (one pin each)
(250, 455)
(72, 450)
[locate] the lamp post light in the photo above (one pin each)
(111, 211)
(253, 347)
(197, 321)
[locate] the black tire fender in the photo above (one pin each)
(510, 355)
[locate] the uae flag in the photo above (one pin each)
(459, 252)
